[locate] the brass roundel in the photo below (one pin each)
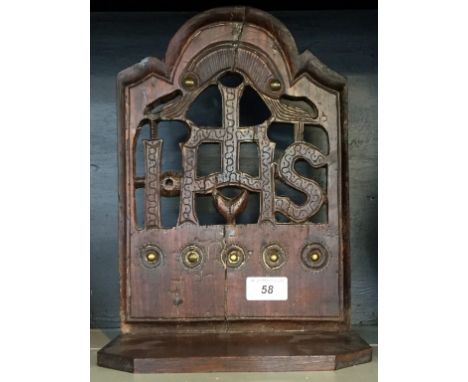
(190, 82)
(234, 256)
(274, 256)
(314, 256)
(192, 256)
(275, 85)
(151, 256)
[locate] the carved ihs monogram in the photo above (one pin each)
(230, 135)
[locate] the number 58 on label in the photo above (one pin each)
(266, 288)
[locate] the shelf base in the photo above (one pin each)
(208, 352)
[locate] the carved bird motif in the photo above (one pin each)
(292, 108)
(230, 207)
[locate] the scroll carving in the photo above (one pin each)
(152, 183)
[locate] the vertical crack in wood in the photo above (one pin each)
(226, 322)
(237, 37)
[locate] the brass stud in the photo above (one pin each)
(151, 257)
(315, 256)
(193, 257)
(274, 257)
(233, 256)
(189, 82)
(275, 85)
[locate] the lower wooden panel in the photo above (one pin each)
(313, 294)
(144, 353)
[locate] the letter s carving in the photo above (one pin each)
(315, 195)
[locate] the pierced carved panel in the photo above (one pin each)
(230, 135)
(294, 175)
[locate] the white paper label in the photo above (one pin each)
(266, 288)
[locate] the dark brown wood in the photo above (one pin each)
(192, 278)
(234, 352)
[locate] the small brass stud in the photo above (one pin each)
(193, 257)
(189, 82)
(151, 257)
(274, 257)
(315, 256)
(275, 85)
(233, 257)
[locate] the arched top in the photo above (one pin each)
(234, 15)
(235, 37)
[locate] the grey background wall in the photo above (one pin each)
(346, 41)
